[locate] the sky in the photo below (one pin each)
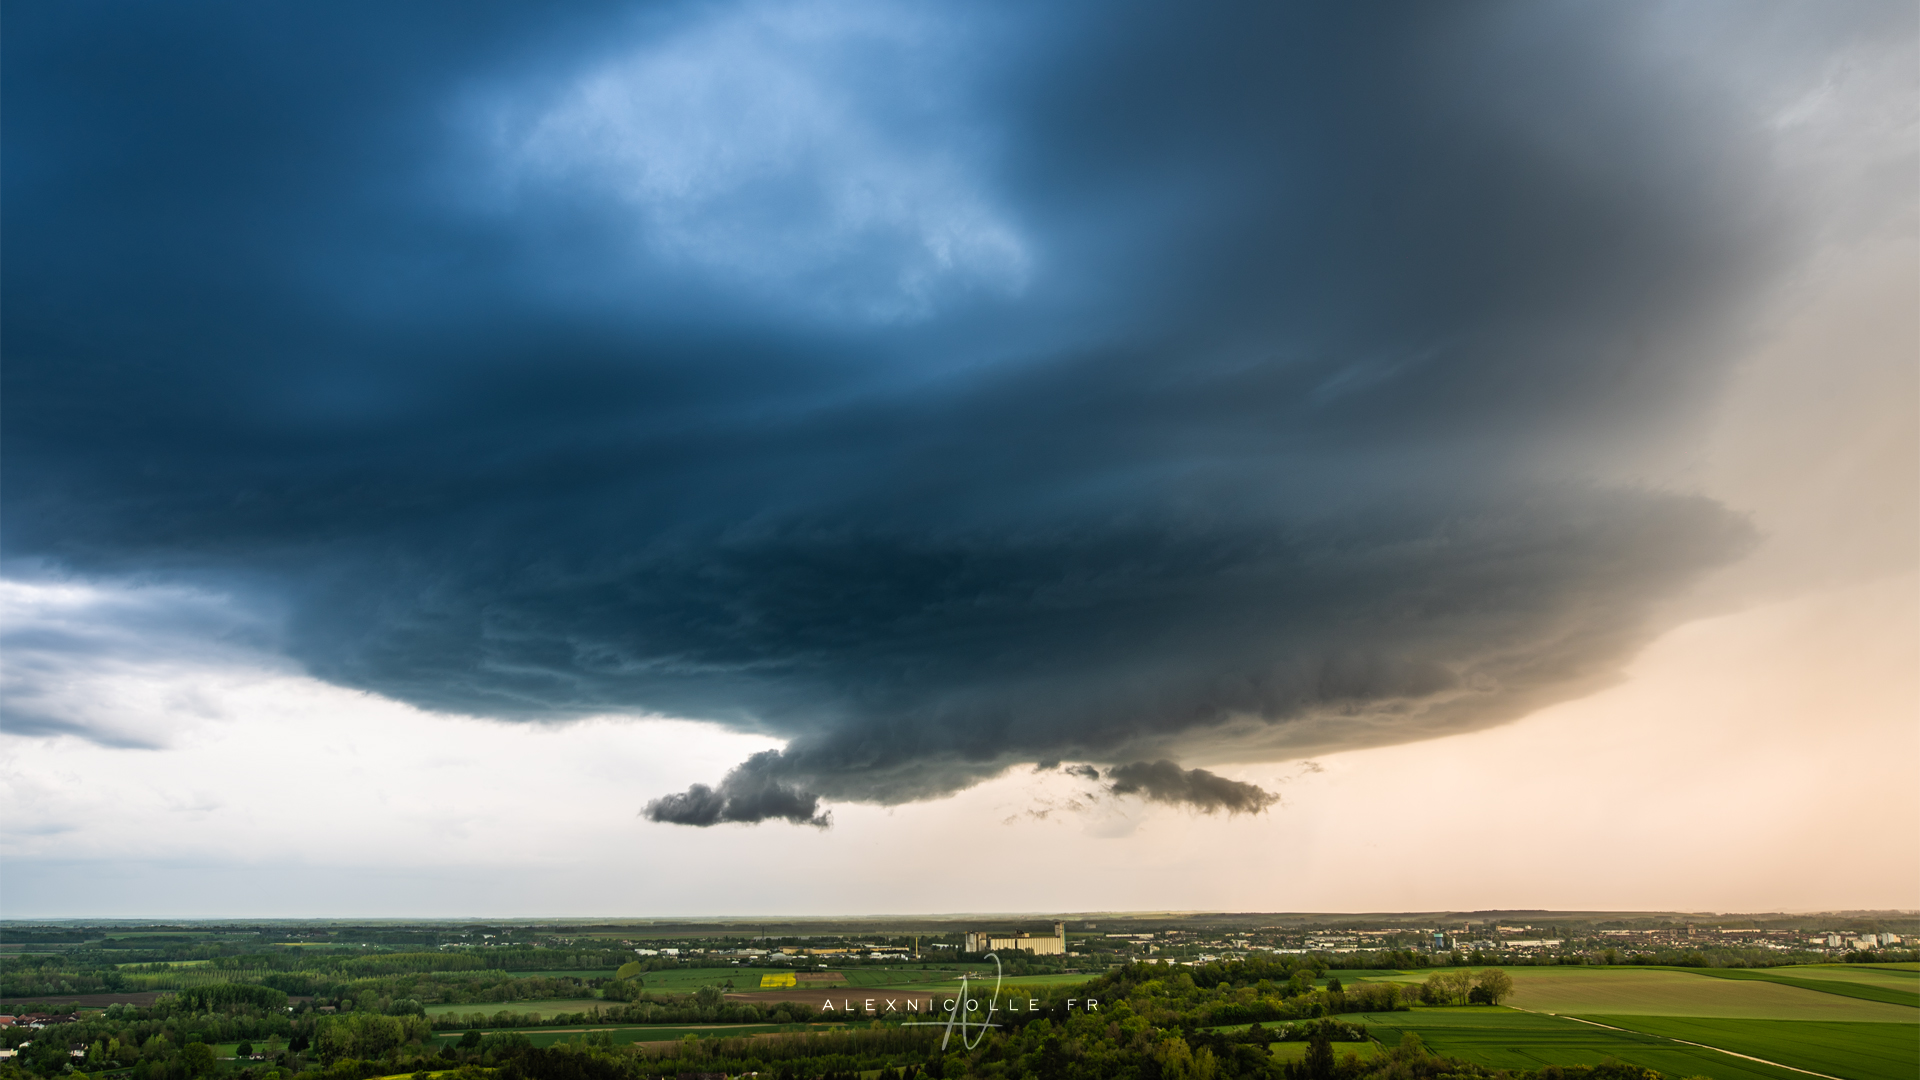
(845, 458)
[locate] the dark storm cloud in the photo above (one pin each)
(936, 391)
(1163, 781)
(747, 794)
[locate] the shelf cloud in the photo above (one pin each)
(1155, 389)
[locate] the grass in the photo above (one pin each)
(1011, 982)
(184, 978)
(679, 980)
(1853, 1051)
(1899, 977)
(1297, 1051)
(633, 1033)
(1824, 983)
(1508, 1039)
(683, 980)
(623, 1034)
(1349, 976)
(905, 977)
(176, 964)
(524, 1008)
(1640, 991)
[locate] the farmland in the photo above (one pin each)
(523, 1008)
(1667, 992)
(622, 1035)
(1583, 1014)
(1011, 982)
(1855, 1051)
(1297, 1051)
(1509, 1039)
(1862, 989)
(682, 980)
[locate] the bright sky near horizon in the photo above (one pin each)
(836, 458)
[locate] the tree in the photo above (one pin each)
(197, 1058)
(1494, 984)
(1411, 1048)
(1319, 1063)
(1446, 988)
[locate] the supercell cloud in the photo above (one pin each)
(934, 388)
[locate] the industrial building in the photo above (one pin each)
(979, 941)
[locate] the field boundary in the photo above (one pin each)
(1862, 991)
(1687, 1042)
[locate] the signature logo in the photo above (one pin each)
(961, 1007)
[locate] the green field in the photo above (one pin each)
(1297, 1051)
(1637, 991)
(682, 980)
(165, 963)
(985, 981)
(914, 976)
(622, 1035)
(184, 978)
(1846, 984)
(1504, 1038)
(524, 1008)
(1854, 1051)
(1837, 1020)
(687, 980)
(1893, 976)
(1886, 976)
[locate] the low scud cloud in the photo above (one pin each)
(1173, 390)
(751, 793)
(1163, 781)
(747, 794)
